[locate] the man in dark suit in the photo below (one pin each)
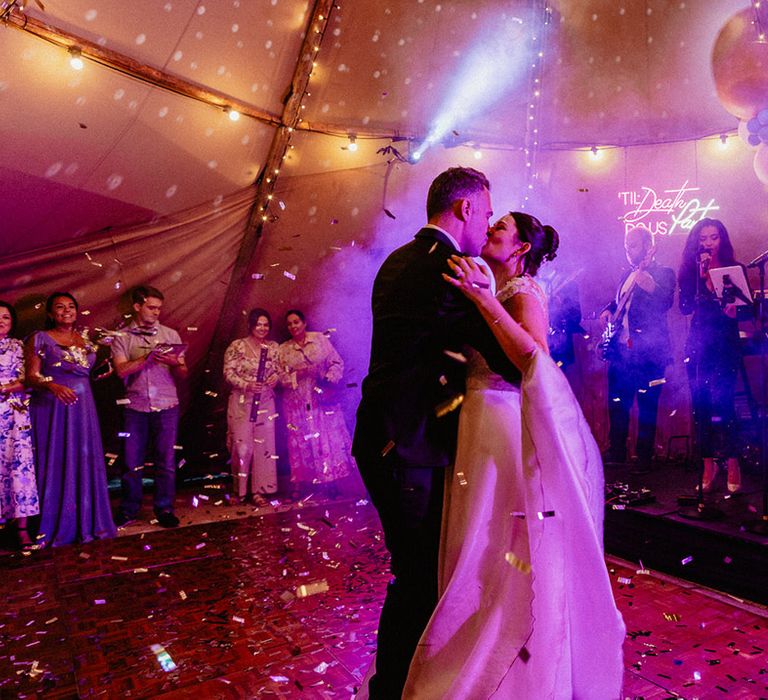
(642, 349)
(407, 420)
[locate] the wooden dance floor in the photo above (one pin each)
(285, 605)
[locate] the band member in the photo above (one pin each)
(636, 343)
(712, 349)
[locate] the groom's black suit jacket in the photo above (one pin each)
(417, 316)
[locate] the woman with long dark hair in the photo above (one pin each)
(319, 446)
(71, 474)
(713, 354)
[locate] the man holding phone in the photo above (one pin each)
(149, 358)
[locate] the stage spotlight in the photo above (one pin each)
(494, 66)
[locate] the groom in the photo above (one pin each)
(408, 419)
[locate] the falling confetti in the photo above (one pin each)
(519, 564)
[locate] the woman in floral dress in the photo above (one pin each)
(250, 368)
(18, 489)
(319, 446)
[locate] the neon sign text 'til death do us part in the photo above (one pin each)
(674, 210)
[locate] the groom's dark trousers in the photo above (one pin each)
(406, 428)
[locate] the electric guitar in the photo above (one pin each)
(608, 346)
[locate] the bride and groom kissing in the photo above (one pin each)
(485, 475)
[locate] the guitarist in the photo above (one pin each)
(639, 348)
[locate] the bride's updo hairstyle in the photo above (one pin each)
(543, 239)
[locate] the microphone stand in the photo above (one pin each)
(760, 525)
(702, 510)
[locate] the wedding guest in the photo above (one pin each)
(250, 368)
(149, 358)
(712, 349)
(18, 487)
(71, 475)
(318, 441)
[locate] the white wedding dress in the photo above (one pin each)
(526, 610)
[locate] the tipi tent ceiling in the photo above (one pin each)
(94, 149)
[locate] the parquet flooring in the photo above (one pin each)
(285, 605)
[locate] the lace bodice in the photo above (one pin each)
(479, 374)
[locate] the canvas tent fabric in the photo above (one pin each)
(107, 162)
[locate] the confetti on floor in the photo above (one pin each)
(235, 618)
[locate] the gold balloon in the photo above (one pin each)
(740, 66)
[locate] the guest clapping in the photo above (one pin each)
(318, 441)
(71, 474)
(18, 487)
(251, 369)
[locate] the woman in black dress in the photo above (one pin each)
(713, 354)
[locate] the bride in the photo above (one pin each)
(526, 609)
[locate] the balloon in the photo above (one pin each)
(744, 133)
(762, 115)
(763, 134)
(753, 125)
(740, 66)
(754, 140)
(761, 164)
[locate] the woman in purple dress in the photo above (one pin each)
(71, 474)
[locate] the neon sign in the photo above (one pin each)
(675, 210)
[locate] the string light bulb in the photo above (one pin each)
(76, 58)
(723, 141)
(352, 146)
(233, 114)
(596, 153)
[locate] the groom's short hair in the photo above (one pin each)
(453, 184)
